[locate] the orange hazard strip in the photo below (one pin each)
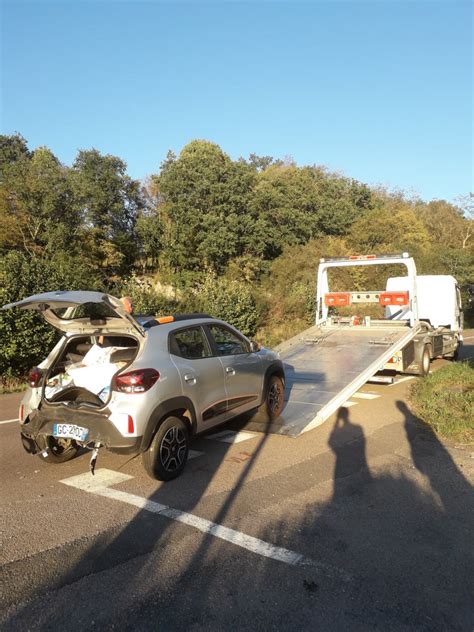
(337, 299)
(394, 298)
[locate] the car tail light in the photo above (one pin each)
(34, 377)
(137, 381)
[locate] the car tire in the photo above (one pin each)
(425, 361)
(274, 397)
(58, 450)
(166, 457)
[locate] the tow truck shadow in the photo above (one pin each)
(391, 548)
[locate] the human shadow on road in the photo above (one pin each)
(146, 533)
(347, 441)
(428, 453)
(396, 538)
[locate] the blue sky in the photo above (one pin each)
(379, 90)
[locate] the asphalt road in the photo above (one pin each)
(364, 523)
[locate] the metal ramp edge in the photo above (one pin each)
(259, 423)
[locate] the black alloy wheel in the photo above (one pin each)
(173, 449)
(166, 457)
(275, 399)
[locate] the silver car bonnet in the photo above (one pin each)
(49, 302)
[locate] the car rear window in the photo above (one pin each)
(94, 311)
(190, 343)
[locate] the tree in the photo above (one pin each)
(12, 149)
(108, 201)
(25, 336)
(260, 163)
(231, 301)
(446, 224)
(205, 195)
(389, 230)
(36, 202)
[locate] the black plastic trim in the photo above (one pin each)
(162, 410)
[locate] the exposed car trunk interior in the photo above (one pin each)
(84, 369)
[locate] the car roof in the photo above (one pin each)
(164, 329)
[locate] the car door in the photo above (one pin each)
(242, 369)
(202, 375)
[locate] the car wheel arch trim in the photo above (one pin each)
(275, 368)
(164, 410)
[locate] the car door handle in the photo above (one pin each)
(190, 379)
(229, 370)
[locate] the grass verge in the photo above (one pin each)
(445, 401)
(11, 384)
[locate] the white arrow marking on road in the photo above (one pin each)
(99, 485)
(403, 379)
(230, 436)
(348, 404)
(362, 395)
(193, 454)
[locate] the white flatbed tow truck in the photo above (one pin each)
(329, 362)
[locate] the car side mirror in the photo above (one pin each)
(254, 346)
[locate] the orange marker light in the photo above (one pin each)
(362, 257)
(394, 298)
(337, 299)
(165, 319)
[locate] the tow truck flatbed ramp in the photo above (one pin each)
(324, 367)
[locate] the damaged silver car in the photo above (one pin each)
(139, 384)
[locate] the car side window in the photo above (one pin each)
(227, 342)
(190, 343)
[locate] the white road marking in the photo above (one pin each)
(362, 395)
(99, 485)
(8, 421)
(295, 401)
(102, 479)
(230, 436)
(193, 454)
(403, 379)
(348, 404)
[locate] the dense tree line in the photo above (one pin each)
(240, 238)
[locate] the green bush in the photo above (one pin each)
(146, 301)
(231, 301)
(25, 337)
(445, 400)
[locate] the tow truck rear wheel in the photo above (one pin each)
(166, 457)
(425, 361)
(58, 450)
(454, 356)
